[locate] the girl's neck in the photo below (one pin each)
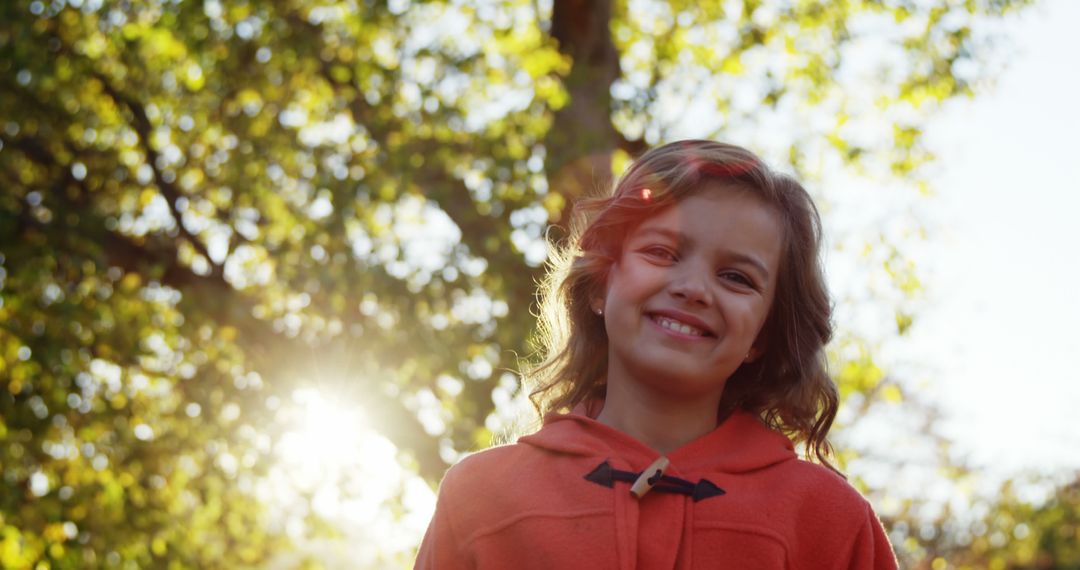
(663, 423)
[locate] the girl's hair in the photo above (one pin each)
(788, 385)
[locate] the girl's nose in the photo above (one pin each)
(690, 286)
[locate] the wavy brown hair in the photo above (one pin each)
(788, 386)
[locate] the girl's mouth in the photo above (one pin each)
(678, 326)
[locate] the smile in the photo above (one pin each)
(678, 326)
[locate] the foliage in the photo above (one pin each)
(1007, 529)
(207, 206)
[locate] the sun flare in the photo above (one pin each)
(329, 438)
(331, 462)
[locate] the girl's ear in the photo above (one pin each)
(756, 351)
(597, 306)
(761, 343)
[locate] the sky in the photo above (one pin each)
(999, 327)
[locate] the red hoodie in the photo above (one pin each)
(737, 497)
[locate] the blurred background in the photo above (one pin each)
(268, 268)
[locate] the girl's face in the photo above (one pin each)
(690, 293)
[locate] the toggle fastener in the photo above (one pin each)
(650, 476)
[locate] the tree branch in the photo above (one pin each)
(143, 128)
(267, 350)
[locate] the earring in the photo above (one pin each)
(599, 312)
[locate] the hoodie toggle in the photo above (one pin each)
(606, 476)
(649, 477)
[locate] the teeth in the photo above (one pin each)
(677, 326)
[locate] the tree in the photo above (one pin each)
(1011, 528)
(208, 205)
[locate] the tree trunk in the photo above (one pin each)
(582, 137)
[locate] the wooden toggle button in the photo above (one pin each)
(650, 476)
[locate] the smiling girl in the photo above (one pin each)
(684, 328)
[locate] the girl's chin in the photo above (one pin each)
(672, 379)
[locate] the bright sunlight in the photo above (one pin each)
(334, 470)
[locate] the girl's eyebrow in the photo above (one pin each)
(662, 232)
(682, 238)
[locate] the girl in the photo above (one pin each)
(684, 330)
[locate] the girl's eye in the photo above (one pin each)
(659, 252)
(737, 278)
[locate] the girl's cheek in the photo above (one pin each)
(750, 312)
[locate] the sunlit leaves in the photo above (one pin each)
(208, 207)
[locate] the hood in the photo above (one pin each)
(742, 443)
(655, 530)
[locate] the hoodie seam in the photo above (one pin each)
(496, 527)
(461, 550)
(750, 529)
(858, 531)
(741, 527)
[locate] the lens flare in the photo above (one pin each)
(333, 464)
(328, 437)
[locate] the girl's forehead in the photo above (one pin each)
(713, 206)
(728, 221)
